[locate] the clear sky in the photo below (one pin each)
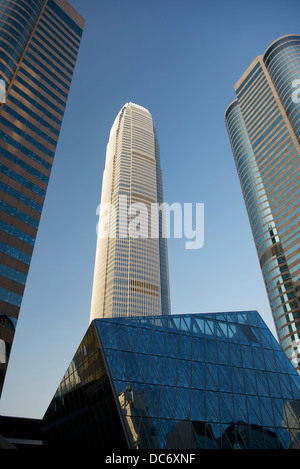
(180, 59)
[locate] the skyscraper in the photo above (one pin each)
(263, 124)
(131, 266)
(39, 46)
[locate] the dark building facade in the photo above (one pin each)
(209, 381)
(38, 51)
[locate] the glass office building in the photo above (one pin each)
(38, 51)
(131, 266)
(263, 124)
(207, 381)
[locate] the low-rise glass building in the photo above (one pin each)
(209, 381)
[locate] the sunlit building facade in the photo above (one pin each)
(131, 266)
(189, 381)
(263, 124)
(39, 46)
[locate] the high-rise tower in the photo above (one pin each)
(38, 51)
(131, 267)
(264, 129)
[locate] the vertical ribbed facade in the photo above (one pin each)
(38, 51)
(131, 268)
(263, 124)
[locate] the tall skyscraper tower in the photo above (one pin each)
(131, 266)
(264, 128)
(38, 51)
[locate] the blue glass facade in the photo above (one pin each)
(209, 381)
(39, 46)
(263, 124)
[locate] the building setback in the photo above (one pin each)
(39, 47)
(131, 267)
(263, 124)
(207, 381)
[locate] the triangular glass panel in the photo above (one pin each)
(176, 320)
(153, 398)
(226, 408)
(222, 329)
(185, 323)
(197, 381)
(136, 375)
(211, 375)
(185, 394)
(237, 380)
(210, 329)
(212, 406)
(158, 363)
(235, 355)
(258, 358)
(220, 332)
(223, 353)
(247, 359)
(187, 340)
(165, 410)
(195, 328)
(142, 360)
(254, 410)
(168, 378)
(180, 411)
(140, 345)
(198, 405)
(169, 348)
(174, 338)
(112, 357)
(118, 331)
(240, 407)
(152, 375)
(262, 383)
(170, 393)
(198, 349)
(133, 333)
(232, 333)
(250, 382)
(155, 346)
(269, 359)
(225, 379)
(267, 412)
(211, 351)
(126, 341)
(120, 370)
(161, 338)
(200, 325)
(147, 335)
(183, 378)
(104, 331)
(286, 391)
(127, 361)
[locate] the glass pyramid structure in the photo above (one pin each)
(209, 381)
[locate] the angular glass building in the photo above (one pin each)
(39, 46)
(131, 267)
(263, 124)
(207, 381)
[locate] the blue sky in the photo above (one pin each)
(180, 59)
